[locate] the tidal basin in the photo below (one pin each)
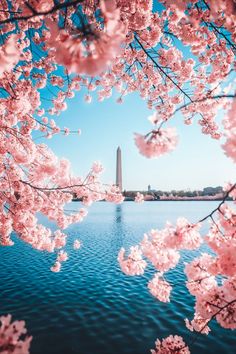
(91, 306)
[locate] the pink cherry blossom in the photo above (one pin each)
(88, 98)
(162, 257)
(185, 235)
(171, 344)
(77, 244)
(160, 288)
(96, 52)
(198, 324)
(200, 279)
(157, 143)
(62, 256)
(134, 263)
(9, 54)
(13, 337)
(230, 132)
(42, 5)
(139, 198)
(97, 167)
(56, 267)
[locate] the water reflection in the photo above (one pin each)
(118, 230)
(118, 213)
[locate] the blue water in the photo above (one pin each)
(91, 306)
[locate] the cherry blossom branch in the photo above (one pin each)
(205, 99)
(215, 28)
(213, 316)
(68, 189)
(221, 34)
(221, 203)
(47, 189)
(217, 226)
(163, 71)
(42, 13)
(221, 96)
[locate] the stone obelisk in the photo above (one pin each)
(118, 169)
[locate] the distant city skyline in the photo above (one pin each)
(149, 189)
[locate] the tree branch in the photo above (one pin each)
(42, 13)
(163, 71)
(221, 203)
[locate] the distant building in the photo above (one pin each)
(149, 188)
(118, 169)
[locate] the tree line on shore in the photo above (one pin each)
(205, 193)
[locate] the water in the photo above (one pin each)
(90, 306)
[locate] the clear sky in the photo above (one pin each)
(197, 162)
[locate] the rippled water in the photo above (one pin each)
(90, 306)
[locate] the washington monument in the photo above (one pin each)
(118, 169)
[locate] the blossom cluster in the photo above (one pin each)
(92, 53)
(214, 299)
(157, 143)
(211, 278)
(171, 344)
(230, 132)
(161, 248)
(139, 198)
(13, 339)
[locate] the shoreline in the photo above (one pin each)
(167, 200)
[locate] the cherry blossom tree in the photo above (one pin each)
(127, 46)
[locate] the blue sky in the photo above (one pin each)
(197, 162)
